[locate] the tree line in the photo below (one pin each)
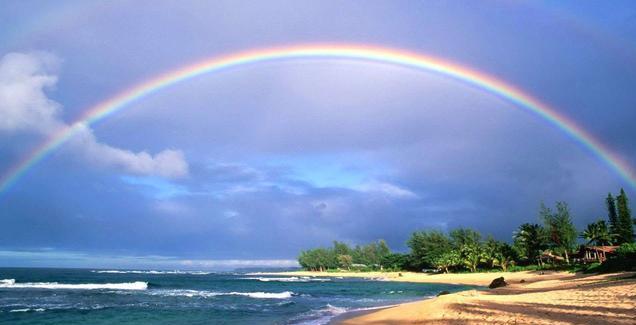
(465, 249)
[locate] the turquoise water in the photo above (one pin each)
(77, 296)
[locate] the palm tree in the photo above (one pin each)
(472, 255)
(598, 233)
(504, 261)
(531, 240)
(504, 256)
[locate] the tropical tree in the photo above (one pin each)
(625, 221)
(598, 233)
(472, 254)
(318, 259)
(491, 247)
(397, 261)
(530, 240)
(358, 255)
(612, 216)
(382, 250)
(461, 237)
(497, 253)
(427, 246)
(341, 255)
(504, 256)
(345, 261)
(561, 231)
(447, 260)
(370, 256)
(468, 243)
(325, 259)
(341, 248)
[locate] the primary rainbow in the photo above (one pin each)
(354, 52)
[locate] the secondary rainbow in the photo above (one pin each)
(324, 51)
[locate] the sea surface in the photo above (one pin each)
(83, 296)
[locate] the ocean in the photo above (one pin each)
(84, 296)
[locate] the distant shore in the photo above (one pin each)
(541, 298)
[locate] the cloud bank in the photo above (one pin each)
(26, 108)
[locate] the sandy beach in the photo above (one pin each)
(548, 298)
(478, 279)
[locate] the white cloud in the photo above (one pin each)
(387, 189)
(25, 107)
(167, 163)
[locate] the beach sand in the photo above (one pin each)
(549, 298)
(479, 279)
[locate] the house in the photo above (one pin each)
(591, 254)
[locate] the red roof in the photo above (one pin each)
(606, 249)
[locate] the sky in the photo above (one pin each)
(247, 166)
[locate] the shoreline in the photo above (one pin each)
(346, 316)
(475, 279)
(541, 298)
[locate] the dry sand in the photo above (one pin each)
(550, 298)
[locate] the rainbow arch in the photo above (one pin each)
(343, 51)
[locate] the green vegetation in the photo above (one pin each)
(530, 240)
(598, 234)
(625, 223)
(374, 256)
(427, 247)
(612, 216)
(625, 259)
(561, 230)
(551, 244)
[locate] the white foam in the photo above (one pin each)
(265, 295)
(335, 310)
(289, 279)
(11, 284)
(26, 310)
(150, 272)
(208, 294)
(183, 293)
(326, 314)
(320, 316)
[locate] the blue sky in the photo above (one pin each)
(248, 166)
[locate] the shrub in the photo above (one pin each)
(624, 260)
(627, 250)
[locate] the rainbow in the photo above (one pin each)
(352, 52)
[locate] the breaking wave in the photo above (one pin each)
(150, 272)
(208, 294)
(11, 284)
(319, 316)
(25, 310)
(289, 279)
(327, 313)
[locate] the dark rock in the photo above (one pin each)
(445, 292)
(522, 281)
(498, 282)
